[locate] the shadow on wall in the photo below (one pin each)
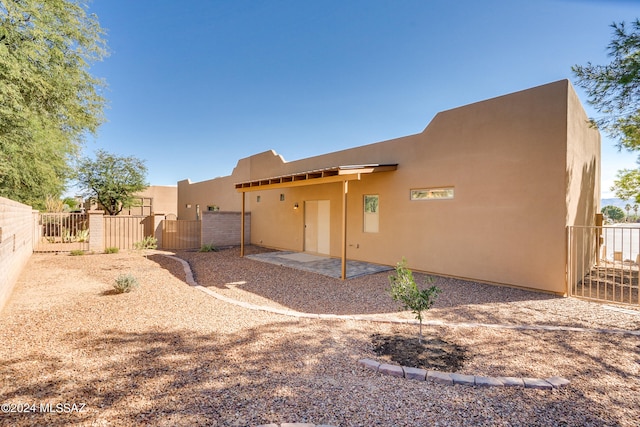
(583, 243)
(586, 207)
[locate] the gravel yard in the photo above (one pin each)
(169, 354)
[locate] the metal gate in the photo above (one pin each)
(61, 232)
(181, 234)
(603, 263)
(124, 231)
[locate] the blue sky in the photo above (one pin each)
(196, 85)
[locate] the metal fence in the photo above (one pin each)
(61, 232)
(65, 232)
(604, 263)
(181, 234)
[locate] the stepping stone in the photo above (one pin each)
(463, 379)
(393, 370)
(440, 377)
(414, 373)
(488, 382)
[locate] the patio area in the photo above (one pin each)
(319, 264)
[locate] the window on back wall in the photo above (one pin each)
(443, 193)
(142, 206)
(371, 213)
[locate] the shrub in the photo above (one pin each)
(125, 283)
(76, 252)
(208, 248)
(405, 290)
(112, 250)
(149, 242)
(82, 235)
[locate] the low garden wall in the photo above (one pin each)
(224, 228)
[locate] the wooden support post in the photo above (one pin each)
(242, 226)
(345, 190)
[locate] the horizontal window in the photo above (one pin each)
(432, 193)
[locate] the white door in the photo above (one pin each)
(317, 226)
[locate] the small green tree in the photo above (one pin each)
(627, 184)
(405, 290)
(614, 213)
(70, 203)
(112, 180)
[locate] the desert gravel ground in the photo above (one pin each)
(168, 354)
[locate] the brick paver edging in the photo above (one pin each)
(453, 378)
(191, 281)
(294, 425)
(394, 370)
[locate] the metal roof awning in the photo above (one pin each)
(313, 177)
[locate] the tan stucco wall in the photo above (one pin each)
(583, 165)
(165, 198)
(583, 184)
(524, 166)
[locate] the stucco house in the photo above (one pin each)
(155, 199)
(485, 192)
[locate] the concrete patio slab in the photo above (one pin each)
(324, 265)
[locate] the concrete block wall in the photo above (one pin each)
(223, 228)
(96, 231)
(16, 243)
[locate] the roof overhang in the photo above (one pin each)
(314, 177)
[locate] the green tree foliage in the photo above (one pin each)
(614, 213)
(48, 98)
(614, 89)
(112, 180)
(627, 184)
(405, 290)
(70, 203)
